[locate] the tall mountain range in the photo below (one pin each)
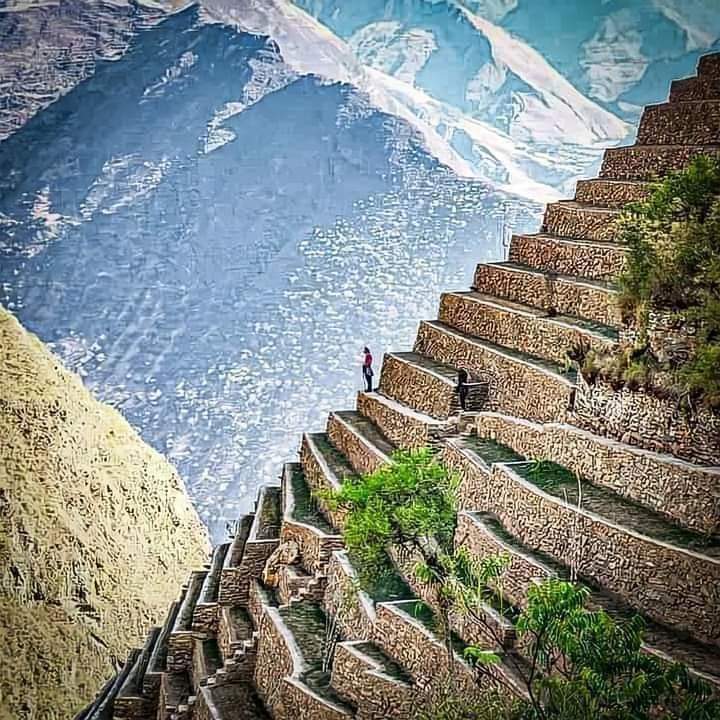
(208, 210)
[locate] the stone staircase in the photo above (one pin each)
(276, 625)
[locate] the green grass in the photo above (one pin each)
(389, 666)
(306, 509)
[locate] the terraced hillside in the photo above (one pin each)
(640, 525)
(96, 534)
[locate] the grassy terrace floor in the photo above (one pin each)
(387, 587)
(445, 371)
(595, 327)
(309, 625)
(676, 644)
(333, 457)
(488, 450)
(306, 509)
(367, 429)
(389, 666)
(560, 482)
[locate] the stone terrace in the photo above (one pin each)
(628, 498)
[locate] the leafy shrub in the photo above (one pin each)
(673, 241)
(409, 502)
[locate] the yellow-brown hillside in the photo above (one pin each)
(97, 534)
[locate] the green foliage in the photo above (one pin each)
(407, 503)
(673, 241)
(584, 665)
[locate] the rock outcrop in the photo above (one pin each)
(97, 534)
(633, 508)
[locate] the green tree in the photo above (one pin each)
(673, 265)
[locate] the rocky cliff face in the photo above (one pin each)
(96, 534)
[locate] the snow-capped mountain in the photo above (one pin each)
(208, 210)
(209, 237)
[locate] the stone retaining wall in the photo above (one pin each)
(275, 662)
(686, 493)
(521, 388)
(315, 546)
(418, 388)
(589, 260)
(377, 696)
(674, 587)
(641, 419)
(693, 123)
(532, 333)
(423, 655)
(363, 458)
(279, 663)
(401, 426)
(606, 193)
(555, 293)
(235, 582)
(638, 162)
(353, 609)
(522, 570)
(319, 477)
(576, 221)
(180, 651)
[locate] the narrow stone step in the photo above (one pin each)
(268, 514)
(571, 219)
(709, 66)
(305, 523)
(568, 256)
(205, 616)
(695, 88)
(593, 300)
(325, 468)
(157, 663)
(180, 642)
(359, 440)
(695, 122)
(611, 193)
(684, 492)
(402, 426)
(523, 328)
(483, 534)
(650, 162)
(427, 386)
(230, 702)
(175, 692)
(131, 702)
(307, 624)
(519, 384)
(671, 574)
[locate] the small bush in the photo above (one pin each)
(673, 241)
(405, 503)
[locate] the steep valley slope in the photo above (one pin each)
(97, 534)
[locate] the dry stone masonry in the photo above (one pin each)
(277, 625)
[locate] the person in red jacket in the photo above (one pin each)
(367, 370)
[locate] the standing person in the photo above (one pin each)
(462, 387)
(367, 370)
